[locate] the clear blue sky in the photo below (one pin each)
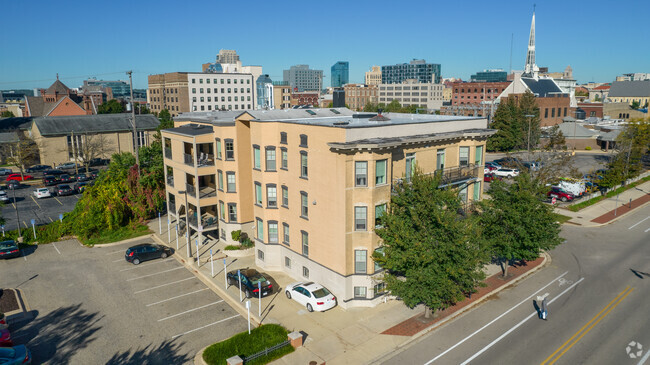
(599, 39)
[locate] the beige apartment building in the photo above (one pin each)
(358, 95)
(373, 77)
(307, 185)
(281, 95)
(410, 92)
(168, 91)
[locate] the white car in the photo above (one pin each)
(3, 196)
(42, 193)
(503, 172)
(313, 296)
(66, 165)
(4, 171)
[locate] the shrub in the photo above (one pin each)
(588, 148)
(232, 248)
(235, 235)
(243, 344)
(247, 243)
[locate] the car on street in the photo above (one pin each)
(66, 166)
(312, 295)
(37, 168)
(3, 196)
(558, 193)
(146, 251)
(504, 172)
(80, 187)
(65, 178)
(63, 189)
(53, 172)
(99, 162)
(93, 174)
(17, 355)
(492, 165)
(42, 193)
(18, 177)
(489, 168)
(4, 171)
(50, 180)
(9, 249)
(82, 177)
(489, 177)
(250, 279)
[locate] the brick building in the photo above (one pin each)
(57, 100)
(591, 109)
(476, 92)
(304, 98)
(358, 95)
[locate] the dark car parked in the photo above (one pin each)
(36, 168)
(80, 187)
(99, 162)
(65, 178)
(509, 162)
(63, 189)
(53, 172)
(82, 177)
(249, 282)
(489, 177)
(146, 251)
(9, 249)
(50, 180)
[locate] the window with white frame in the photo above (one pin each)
(285, 196)
(360, 292)
(260, 229)
(270, 158)
(231, 181)
(478, 158)
(271, 196)
(303, 164)
(360, 261)
(305, 243)
(273, 232)
(360, 218)
(361, 173)
(285, 233)
(258, 193)
(304, 205)
(463, 156)
(380, 172)
(257, 162)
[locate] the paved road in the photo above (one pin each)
(598, 287)
(43, 211)
(92, 307)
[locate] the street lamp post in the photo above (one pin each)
(187, 226)
(20, 234)
(530, 119)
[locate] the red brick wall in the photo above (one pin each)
(463, 93)
(67, 107)
(596, 108)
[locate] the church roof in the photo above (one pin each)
(38, 107)
(57, 88)
(542, 87)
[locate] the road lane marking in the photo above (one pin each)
(161, 272)
(118, 260)
(57, 199)
(646, 231)
(176, 297)
(207, 325)
(496, 319)
(57, 250)
(191, 310)
(618, 301)
(644, 358)
(518, 324)
(160, 286)
(110, 253)
(636, 224)
(39, 206)
(144, 265)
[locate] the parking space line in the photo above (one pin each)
(50, 218)
(110, 253)
(57, 199)
(145, 265)
(207, 325)
(39, 206)
(178, 296)
(23, 252)
(191, 310)
(160, 286)
(57, 250)
(26, 226)
(162, 272)
(118, 260)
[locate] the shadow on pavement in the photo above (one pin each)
(56, 337)
(28, 249)
(165, 353)
(640, 274)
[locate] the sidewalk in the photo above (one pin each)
(608, 210)
(352, 336)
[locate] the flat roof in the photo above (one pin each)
(191, 130)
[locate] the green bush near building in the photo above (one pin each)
(243, 344)
(588, 148)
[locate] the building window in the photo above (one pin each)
(259, 229)
(552, 112)
(283, 137)
(285, 196)
(232, 212)
(223, 233)
(273, 232)
(463, 156)
(379, 288)
(74, 149)
(380, 172)
(303, 164)
(260, 255)
(477, 190)
(360, 215)
(410, 165)
(257, 162)
(287, 262)
(220, 179)
(565, 113)
(258, 194)
(379, 211)
(360, 292)
(230, 180)
(270, 158)
(462, 194)
(304, 208)
(271, 196)
(360, 173)
(545, 112)
(222, 210)
(285, 158)
(440, 159)
(303, 140)
(305, 243)
(478, 158)
(360, 258)
(285, 233)
(305, 272)
(230, 149)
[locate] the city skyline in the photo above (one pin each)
(462, 43)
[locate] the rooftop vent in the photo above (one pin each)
(341, 123)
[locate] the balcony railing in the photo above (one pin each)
(453, 175)
(168, 152)
(208, 221)
(205, 159)
(171, 206)
(188, 159)
(207, 192)
(170, 180)
(190, 190)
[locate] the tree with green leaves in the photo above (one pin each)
(24, 153)
(166, 120)
(7, 114)
(393, 107)
(555, 138)
(633, 143)
(112, 106)
(516, 223)
(635, 105)
(529, 112)
(432, 255)
(506, 123)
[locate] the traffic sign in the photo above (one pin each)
(553, 200)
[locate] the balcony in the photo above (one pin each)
(188, 159)
(191, 191)
(168, 152)
(208, 221)
(171, 206)
(205, 159)
(453, 175)
(207, 192)
(170, 180)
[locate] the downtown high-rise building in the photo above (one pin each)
(417, 70)
(340, 73)
(302, 78)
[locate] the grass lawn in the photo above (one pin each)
(243, 345)
(120, 234)
(561, 218)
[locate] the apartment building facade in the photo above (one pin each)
(281, 95)
(307, 185)
(425, 95)
(302, 78)
(358, 95)
(418, 70)
(373, 77)
(168, 91)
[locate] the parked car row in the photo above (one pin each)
(11, 354)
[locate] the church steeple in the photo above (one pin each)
(531, 69)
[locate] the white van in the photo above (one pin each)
(575, 187)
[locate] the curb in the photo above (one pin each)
(198, 358)
(24, 309)
(451, 317)
(149, 235)
(591, 224)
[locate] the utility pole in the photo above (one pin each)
(20, 233)
(74, 153)
(530, 119)
(135, 131)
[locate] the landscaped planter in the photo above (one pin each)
(240, 253)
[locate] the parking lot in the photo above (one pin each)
(91, 306)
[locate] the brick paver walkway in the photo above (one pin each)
(418, 323)
(622, 209)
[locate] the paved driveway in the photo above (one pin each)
(43, 210)
(92, 307)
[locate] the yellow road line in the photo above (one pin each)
(57, 199)
(39, 206)
(589, 326)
